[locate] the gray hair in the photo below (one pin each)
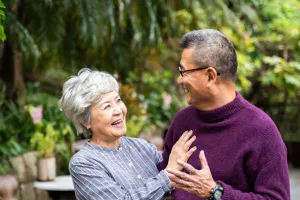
(80, 92)
(212, 48)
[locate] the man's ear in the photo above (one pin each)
(212, 76)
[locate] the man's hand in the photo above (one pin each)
(181, 151)
(197, 182)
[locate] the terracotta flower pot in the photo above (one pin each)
(46, 169)
(8, 187)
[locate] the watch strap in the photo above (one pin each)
(213, 191)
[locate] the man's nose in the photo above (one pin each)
(179, 79)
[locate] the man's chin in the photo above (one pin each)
(189, 100)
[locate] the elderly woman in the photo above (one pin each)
(111, 165)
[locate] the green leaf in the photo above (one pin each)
(291, 79)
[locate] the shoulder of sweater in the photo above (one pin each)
(262, 125)
(256, 114)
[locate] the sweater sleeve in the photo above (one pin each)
(95, 183)
(270, 185)
(270, 171)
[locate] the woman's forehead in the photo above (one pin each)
(109, 96)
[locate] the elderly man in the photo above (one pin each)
(245, 157)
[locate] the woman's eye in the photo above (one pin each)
(107, 106)
(119, 100)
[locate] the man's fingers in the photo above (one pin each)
(203, 160)
(176, 173)
(182, 187)
(178, 179)
(187, 166)
(174, 177)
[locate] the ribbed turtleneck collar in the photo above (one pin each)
(223, 112)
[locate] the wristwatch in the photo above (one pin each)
(216, 193)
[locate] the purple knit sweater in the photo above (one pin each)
(243, 148)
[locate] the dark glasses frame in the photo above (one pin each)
(181, 71)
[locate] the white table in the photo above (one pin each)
(61, 188)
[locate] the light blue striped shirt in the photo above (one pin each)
(126, 172)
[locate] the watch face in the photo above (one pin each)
(218, 195)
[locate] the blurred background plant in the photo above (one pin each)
(2, 17)
(47, 41)
(44, 139)
(52, 131)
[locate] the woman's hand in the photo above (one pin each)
(181, 151)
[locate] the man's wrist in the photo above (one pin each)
(212, 186)
(216, 192)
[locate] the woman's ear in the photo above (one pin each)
(86, 125)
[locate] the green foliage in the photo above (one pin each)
(2, 17)
(138, 41)
(158, 96)
(275, 73)
(53, 115)
(44, 139)
(17, 128)
(135, 125)
(4, 167)
(283, 79)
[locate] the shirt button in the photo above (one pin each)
(139, 176)
(130, 164)
(120, 149)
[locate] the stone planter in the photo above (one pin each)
(8, 187)
(46, 169)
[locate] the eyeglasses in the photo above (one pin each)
(182, 72)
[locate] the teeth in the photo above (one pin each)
(185, 89)
(117, 122)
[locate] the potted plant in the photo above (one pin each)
(44, 141)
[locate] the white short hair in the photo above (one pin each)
(82, 91)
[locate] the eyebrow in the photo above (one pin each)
(109, 101)
(181, 66)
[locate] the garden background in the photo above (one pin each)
(44, 42)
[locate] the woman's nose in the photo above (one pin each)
(117, 110)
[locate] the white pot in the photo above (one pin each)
(46, 169)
